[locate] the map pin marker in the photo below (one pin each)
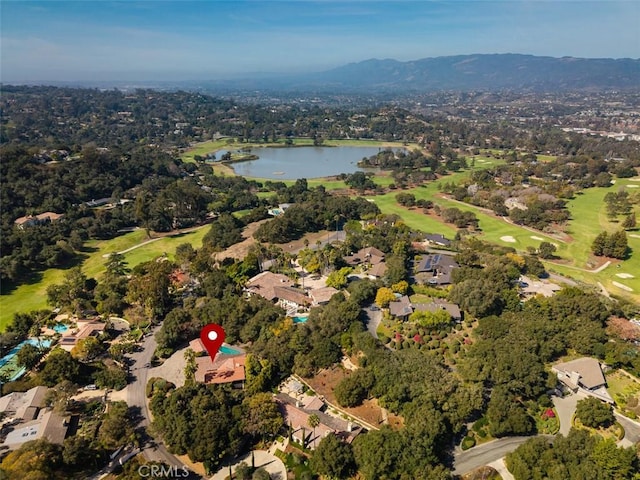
(212, 337)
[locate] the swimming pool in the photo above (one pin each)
(228, 350)
(300, 319)
(9, 363)
(60, 327)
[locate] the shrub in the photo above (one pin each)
(468, 442)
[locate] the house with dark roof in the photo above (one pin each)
(435, 269)
(365, 256)
(585, 375)
(437, 239)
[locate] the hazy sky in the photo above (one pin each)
(181, 40)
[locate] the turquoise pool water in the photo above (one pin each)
(60, 327)
(226, 349)
(300, 319)
(8, 363)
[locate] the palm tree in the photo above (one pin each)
(313, 421)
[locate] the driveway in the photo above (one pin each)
(631, 431)
(373, 319)
(566, 407)
(271, 464)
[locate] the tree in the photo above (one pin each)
(333, 458)
(313, 421)
(629, 222)
(29, 356)
(594, 413)
(338, 278)
(111, 377)
(190, 366)
(263, 419)
(34, 460)
(87, 349)
(546, 250)
(117, 427)
(384, 297)
(59, 366)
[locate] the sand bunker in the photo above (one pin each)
(633, 186)
(540, 239)
(625, 275)
(623, 287)
(508, 239)
(633, 235)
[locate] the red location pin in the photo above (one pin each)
(212, 337)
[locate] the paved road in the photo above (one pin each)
(136, 397)
(485, 453)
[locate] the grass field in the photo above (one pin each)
(33, 295)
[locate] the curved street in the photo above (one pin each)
(486, 453)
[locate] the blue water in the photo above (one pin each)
(9, 356)
(60, 327)
(300, 319)
(226, 349)
(305, 162)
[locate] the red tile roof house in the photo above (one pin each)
(585, 375)
(225, 369)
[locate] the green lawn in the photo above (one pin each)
(588, 219)
(33, 295)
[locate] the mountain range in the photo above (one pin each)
(474, 72)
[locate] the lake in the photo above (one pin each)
(302, 162)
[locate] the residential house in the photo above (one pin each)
(296, 418)
(40, 219)
(27, 418)
(264, 284)
(83, 329)
(377, 271)
(401, 308)
(437, 239)
(321, 296)
(435, 269)
(365, 256)
(438, 304)
(278, 288)
(225, 369)
(585, 375)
